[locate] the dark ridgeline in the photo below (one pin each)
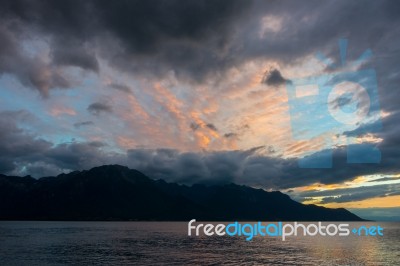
(114, 192)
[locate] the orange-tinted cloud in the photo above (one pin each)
(390, 201)
(61, 110)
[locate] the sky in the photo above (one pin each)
(200, 92)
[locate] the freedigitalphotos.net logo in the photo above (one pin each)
(281, 229)
(333, 103)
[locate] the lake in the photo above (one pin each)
(159, 243)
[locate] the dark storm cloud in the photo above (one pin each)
(80, 156)
(97, 108)
(16, 143)
(156, 36)
(352, 194)
(372, 127)
(389, 147)
(82, 124)
(22, 153)
(388, 132)
(121, 87)
(32, 71)
(211, 126)
(256, 167)
(274, 78)
(26, 21)
(188, 37)
(77, 155)
(252, 167)
(194, 126)
(385, 179)
(97, 144)
(197, 39)
(74, 53)
(189, 168)
(230, 135)
(144, 26)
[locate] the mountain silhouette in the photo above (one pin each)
(114, 192)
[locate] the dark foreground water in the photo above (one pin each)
(158, 243)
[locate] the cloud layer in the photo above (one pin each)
(184, 90)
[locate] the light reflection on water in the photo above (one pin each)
(157, 243)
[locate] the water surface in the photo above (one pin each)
(159, 243)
